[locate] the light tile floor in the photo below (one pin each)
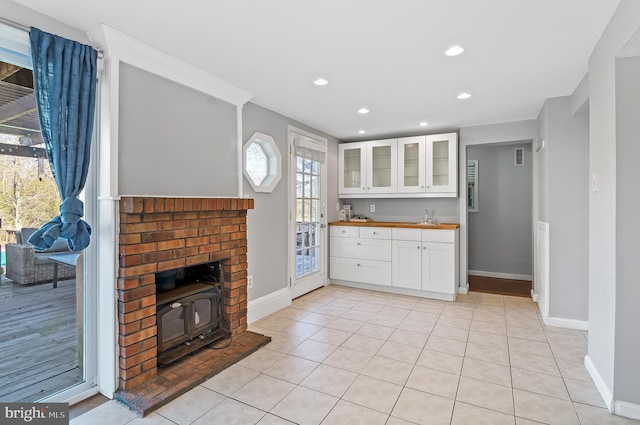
(348, 356)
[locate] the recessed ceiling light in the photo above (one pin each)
(424, 124)
(363, 111)
(361, 132)
(464, 96)
(454, 51)
(321, 82)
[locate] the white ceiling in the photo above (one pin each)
(384, 55)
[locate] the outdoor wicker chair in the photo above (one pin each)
(27, 266)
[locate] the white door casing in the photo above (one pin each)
(307, 211)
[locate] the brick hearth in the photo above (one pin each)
(158, 234)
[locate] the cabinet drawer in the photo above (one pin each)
(375, 232)
(406, 234)
(373, 249)
(344, 231)
(367, 249)
(364, 271)
(429, 235)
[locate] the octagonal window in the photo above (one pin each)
(262, 162)
(257, 163)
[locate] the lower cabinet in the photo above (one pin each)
(438, 267)
(406, 270)
(415, 261)
(360, 254)
(358, 270)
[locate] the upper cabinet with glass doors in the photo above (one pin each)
(352, 162)
(411, 164)
(368, 167)
(442, 163)
(420, 166)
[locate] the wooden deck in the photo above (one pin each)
(38, 340)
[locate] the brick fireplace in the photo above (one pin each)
(158, 234)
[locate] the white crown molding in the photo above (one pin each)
(124, 48)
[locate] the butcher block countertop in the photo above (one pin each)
(397, 224)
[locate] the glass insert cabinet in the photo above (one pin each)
(418, 166)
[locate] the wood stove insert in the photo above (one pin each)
(189, 316)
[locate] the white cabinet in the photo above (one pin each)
(368, 167)
(425, 260)
(411, 164)
(382, 163)
(442, 163)
(352, 166)
(438, 274)
(421, 261)
(406, 264)
(419, 166)
(360, 254)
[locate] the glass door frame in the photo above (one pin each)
(319, 278)
(20, 46)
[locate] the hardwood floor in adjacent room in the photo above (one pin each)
(519, 288)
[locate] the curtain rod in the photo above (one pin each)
(27, 29)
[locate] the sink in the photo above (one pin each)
(422, 223)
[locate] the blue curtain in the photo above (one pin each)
(64, 73)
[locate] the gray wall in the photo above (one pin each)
(267, 223)
(564, 202)
(602, 206)
(610, 329)
(627, 370)
(445, 210)
(174, 140)
(500, 233)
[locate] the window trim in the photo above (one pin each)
(274, 165)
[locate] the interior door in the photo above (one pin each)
(308, 212)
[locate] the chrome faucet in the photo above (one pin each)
(426, 216)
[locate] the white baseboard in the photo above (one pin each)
(534, 296)
(620, 408)
(463, 289)
(268, 304)
(501, 275)
(558, 322)
(602, 387)
(626, 409)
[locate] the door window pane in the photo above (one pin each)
(308, 216)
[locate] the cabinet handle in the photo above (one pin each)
(359, 243)
(424, 247)
(421, 187)
(344, 231)
(418, 247)
(375, 233)
(358, 265)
